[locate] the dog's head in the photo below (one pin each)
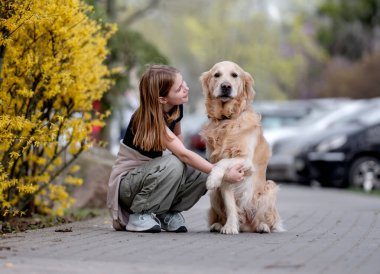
(227, 81)
(228, 85)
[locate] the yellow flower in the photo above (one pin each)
(74, 168)
(70, 180)
(53, 69)
(14, 154)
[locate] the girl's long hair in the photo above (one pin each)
(150, 121)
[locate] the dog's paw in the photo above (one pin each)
(212, 182)
(215, 227)
(227, 229)
(263, 228)
(215, 178)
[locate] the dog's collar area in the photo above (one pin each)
(212, 114)
(220, 119)
(225, 117)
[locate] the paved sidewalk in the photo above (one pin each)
(328, 231)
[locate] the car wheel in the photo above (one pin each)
(365, 173)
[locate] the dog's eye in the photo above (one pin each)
(216, 75)
(234, 74)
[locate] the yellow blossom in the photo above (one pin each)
(70, 180)
(74, 168)
(53, 69)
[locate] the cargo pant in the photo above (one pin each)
(161, 185)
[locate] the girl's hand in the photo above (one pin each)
(235, 174)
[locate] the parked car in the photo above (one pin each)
(277, 115)
(283, 165)
(319, 119)
(349, 155)
(274, 115)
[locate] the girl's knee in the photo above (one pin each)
(174, 165)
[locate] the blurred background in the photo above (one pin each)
(316, 66)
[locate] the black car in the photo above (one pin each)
(348, 155)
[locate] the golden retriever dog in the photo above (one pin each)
(233, 134)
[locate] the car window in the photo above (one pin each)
(328, 118)
(269, 122)
(373, 117)
(313, 117)
(366, 117)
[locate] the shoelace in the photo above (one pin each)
(174, 216)
(155, 218)
(143, 216)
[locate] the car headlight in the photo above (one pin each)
(332, 143)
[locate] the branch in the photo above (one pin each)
(140, 13)
(2, 53)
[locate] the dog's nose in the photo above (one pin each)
(225, 88)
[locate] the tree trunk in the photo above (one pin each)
(111, 9)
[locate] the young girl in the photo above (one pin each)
(155, 177)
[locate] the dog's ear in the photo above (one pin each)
(248, 86)
(205, 80)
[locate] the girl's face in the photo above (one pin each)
(178, 94)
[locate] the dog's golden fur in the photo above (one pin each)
(233, 133)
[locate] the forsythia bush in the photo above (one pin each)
(52, 72)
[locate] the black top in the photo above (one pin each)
(128, 137)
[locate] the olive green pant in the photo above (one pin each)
(161, 185)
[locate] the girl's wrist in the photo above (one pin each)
(212, 167)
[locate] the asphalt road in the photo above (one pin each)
(328, 231)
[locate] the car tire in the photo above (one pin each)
(365, 173)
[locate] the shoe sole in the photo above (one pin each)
(132, 228)
(181, 229)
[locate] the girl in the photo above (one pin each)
(155, 177)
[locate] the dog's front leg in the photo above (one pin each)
(232, 224)
(215, 178)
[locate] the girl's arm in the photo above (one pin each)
(176, 146)
(178, 132)
(234, 175)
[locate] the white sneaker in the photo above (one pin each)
(143, 223)
(172, 222)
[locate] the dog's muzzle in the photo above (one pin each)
(225, 90)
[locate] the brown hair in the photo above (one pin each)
(150, 121)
